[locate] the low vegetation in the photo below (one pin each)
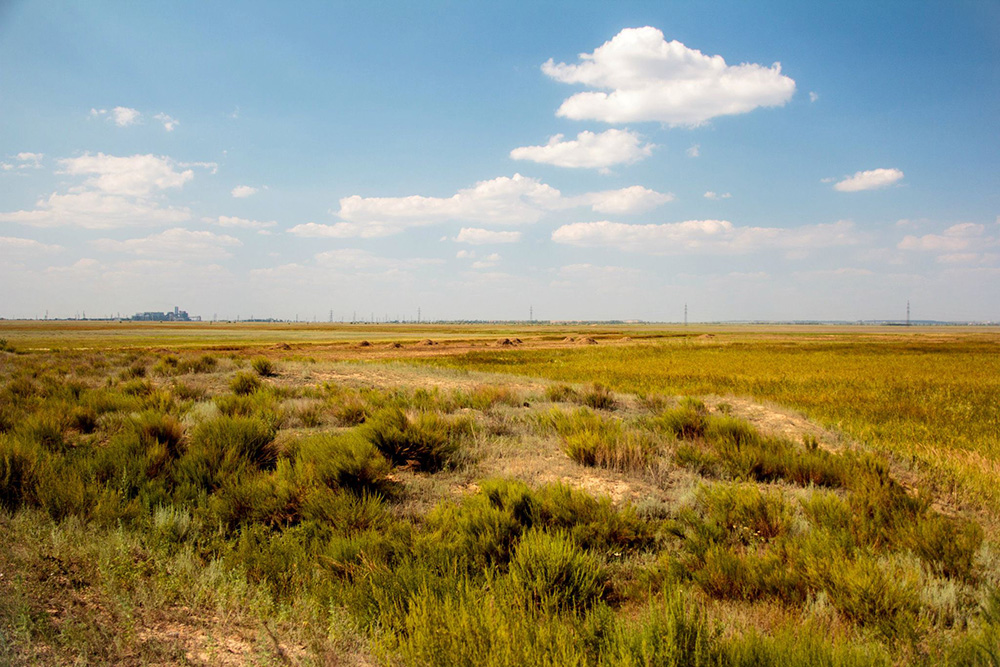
(156, 507)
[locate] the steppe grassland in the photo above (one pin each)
(268, 505)
(929, 397)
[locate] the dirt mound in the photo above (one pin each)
(427, 341)
(706, 336)
(568, 339)
(395, 346)
(516, 341)
(282, 346)
(505, 342)
(625, 339)
(364, 343)
(587, 340)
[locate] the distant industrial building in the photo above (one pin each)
(176, 316)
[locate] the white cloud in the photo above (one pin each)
(965, 230)
(703, 236)
(230, 221)
(694, 150)
(30, 160)
(116, 192)
(124, 116)
(634, 199)
(650, 79)
(716, 195)
(176, 243)
(958, 237)
(242, 191)
(343, 230)
(10, 245)
(813, 96)
(503, 201)
(134, 176)
(465, 254)
(487, 262)
(169, 123)
(588, 150)
(869, 180)
(477, 236)
(95, 210)
(500, 201)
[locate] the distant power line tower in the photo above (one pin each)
(685, 314)
(418, 314)
(907, 312)
(331, 314)
(531, 313)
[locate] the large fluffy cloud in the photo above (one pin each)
(502, 201)
(117, 191)
(650, 79)
(708, 236)
(634, 199)
(133, 176)
(869, 180)
(588, 150)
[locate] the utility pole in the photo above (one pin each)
(907, 312)
(531, 313)
(685, 314)
(331, 315)
(418, 314)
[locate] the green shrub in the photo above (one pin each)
(244, 383)
(673, 630)
(593, 440)
(345, 461)
(550, 571)
(598, 397)
(687, 421)
(881, 594)
(19, 463)
(427, 442)
(561, 393)
(264, 367)
(223, 447)
(206, 363)
(45, 428)
(350, 412)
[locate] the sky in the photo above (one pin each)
(575, 160)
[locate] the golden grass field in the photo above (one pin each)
(222, 493)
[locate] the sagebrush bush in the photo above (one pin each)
(19, 463)
(264, 367)
(225, 447)
(550, 571)
(243, 384)
(598, 397)
(561, 393)
(346, 461)
(426, 442)
(687, 421)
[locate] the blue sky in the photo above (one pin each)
(592, 160)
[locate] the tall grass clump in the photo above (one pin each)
(225, 447)
(426, 442)
(591, 439)
(345, 461)
(243, 384)
(550, 571)
(264, 367)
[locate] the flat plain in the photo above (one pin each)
(233, 493)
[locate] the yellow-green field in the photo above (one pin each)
(498, 495)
